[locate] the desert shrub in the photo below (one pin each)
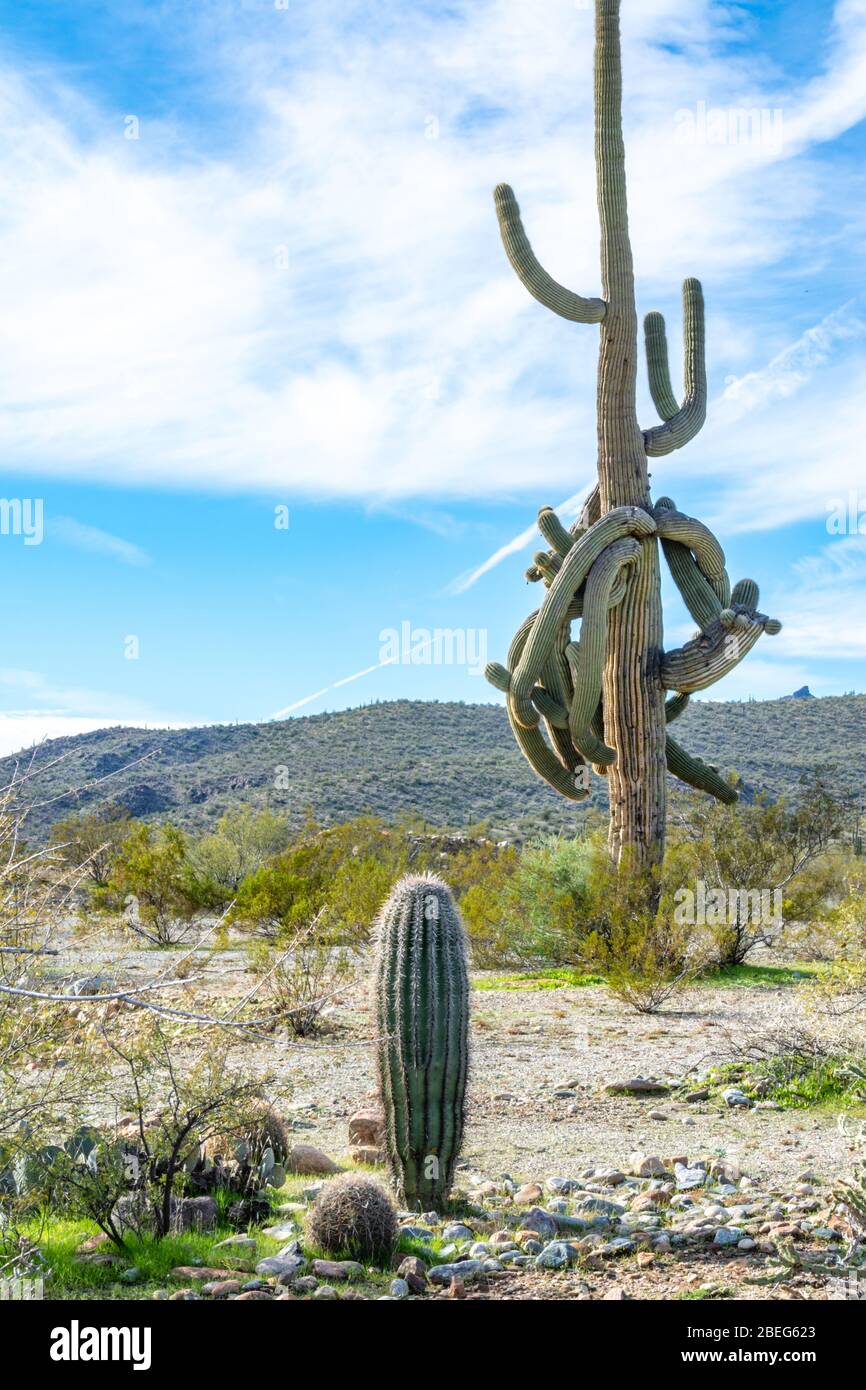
(635, 940)
(131, 1177)
(354, 1216)
(153, 869)
(299, 983)
(337, 876)
(743, 851)
(244, 840)
(90, 841)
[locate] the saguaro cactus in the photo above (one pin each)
(602, 698)
(421, 1003)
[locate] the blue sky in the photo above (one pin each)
(249, 262)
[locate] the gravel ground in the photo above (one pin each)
(527, 1044)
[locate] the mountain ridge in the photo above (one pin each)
(451, 763)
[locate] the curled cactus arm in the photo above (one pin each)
(715, 652)
(540, 285)
(619, 522)
(682, 426)
(697, 774)
(676, 526)
(533, 747)
(587, 659)
(697, 592)
(675, 706)
(554, 532)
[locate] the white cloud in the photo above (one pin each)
(150, 333)
(95, 541)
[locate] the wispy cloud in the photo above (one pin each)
(95, 541)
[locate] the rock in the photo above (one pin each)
(306, 1158)
(286, 1230)
(733, 1096)
(687, 1178)
(645, 1166)
(457, 1231)
(695, 1097)
(254, 1296)
(337, 1269)
(746, 1243)
(326, 1292)
(280, 1267)
(89, 985)
(528, 1195)
(616, 1295)
(457, 1287)
(728, 1235)
(554, 1256)
(466, 1270)
(541, 1222)
(398, 1288)
(598, 1206)
(364, 1154)
(367, 1129)
(412, 1264)
(184, 1296)
(131, 1275)
(205, 1273)
(638, 1086)
(244, 1245)
(221, 1288)
(187, 1214)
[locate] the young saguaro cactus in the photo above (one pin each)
(602, 698)
(422, 1027)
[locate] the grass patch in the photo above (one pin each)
(799, 1083)
(766, 976)
(559, 977)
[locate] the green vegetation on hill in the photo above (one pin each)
(450, 763)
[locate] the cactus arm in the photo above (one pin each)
(697, 593)
(714, 652)
(522, 257)
(533, 747)
(661, 390)
(675, 706)
(697, 774)
(619, 522)
(554, 532)
(676, 526)
(678, 428)
(746, 593)
(587, 659)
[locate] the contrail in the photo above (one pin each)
(570, 507)
(346, 680)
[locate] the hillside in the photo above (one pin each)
(455, 765)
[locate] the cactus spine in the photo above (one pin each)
(422, 1012)
(606, 570)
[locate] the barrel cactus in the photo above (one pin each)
(353, 1216)
(421, 1007)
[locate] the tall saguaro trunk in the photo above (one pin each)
(605, 700)
(634, 713)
